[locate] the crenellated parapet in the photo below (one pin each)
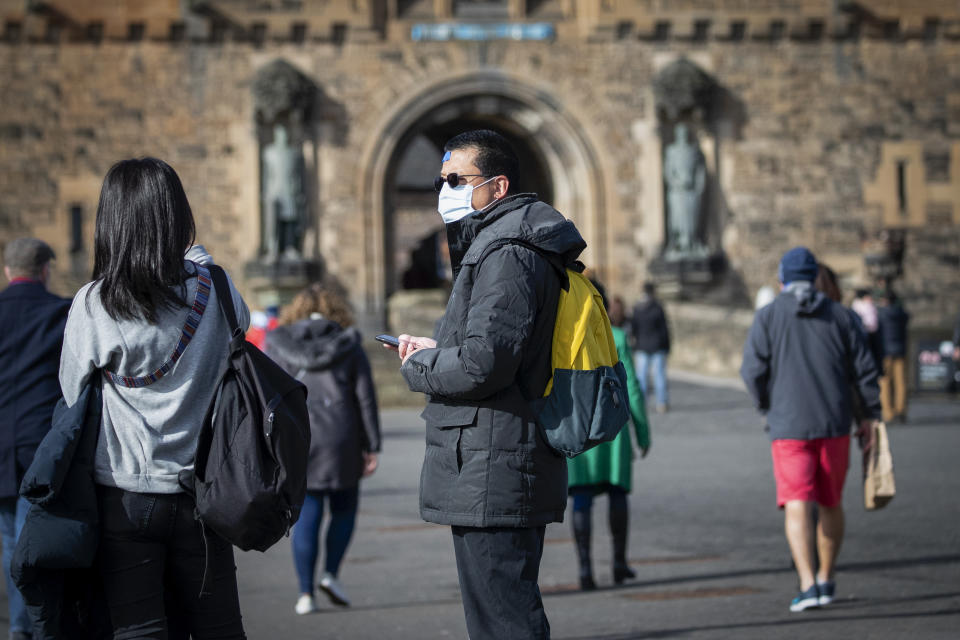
(740, 20)
(255, 22)
(301, 21)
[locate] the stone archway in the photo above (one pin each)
(555, 138)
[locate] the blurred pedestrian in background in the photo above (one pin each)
(956, 339)
(607, 468)
(316, 343)
(826, 282)
(651, 343)
(765, 295)
(262, 323)
(802, 353)
(893, 385)
(31, 336)
(865, 308)
(150, 325)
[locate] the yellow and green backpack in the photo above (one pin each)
(585, 401)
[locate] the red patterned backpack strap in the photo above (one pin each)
(186, 335)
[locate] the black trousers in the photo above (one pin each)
(498, 569)
(152, 558)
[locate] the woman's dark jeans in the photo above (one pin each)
(152, 558)
(306, 533)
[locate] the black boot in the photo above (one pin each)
(581, 536)
(619, 520)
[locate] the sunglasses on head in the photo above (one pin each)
(453, 179)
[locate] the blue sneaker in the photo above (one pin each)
(806, 600)
(826, 590)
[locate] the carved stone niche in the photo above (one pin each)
(693, 114)
(284, 101)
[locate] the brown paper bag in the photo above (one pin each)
(878, 484)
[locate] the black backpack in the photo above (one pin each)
(250, 473)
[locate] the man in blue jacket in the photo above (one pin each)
(31, 336)
(804, 359)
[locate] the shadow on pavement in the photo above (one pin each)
(779, 622)
(853, 566)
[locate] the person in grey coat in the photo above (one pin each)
(316, 344)
(149, 325)
(488, 471)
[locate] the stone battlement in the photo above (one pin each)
(303, 21)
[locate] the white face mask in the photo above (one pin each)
(456, 203)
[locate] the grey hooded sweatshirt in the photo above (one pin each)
(148, 434)
(487, 463)
(804, 359)
(340, 397)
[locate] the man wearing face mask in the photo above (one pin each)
(488, 472)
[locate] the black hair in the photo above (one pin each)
(144, 226)
(649, 288)
(495, 156)
(861, 293)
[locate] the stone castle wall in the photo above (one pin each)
(826, 137)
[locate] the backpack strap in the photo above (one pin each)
(555, 260)
(186, 335)
(225, 298)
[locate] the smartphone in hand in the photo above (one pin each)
(388, 339)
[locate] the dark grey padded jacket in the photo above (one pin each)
(487, 463)
(341, 399)
(805, 356)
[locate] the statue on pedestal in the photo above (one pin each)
(283, 110)
(685, 175)
(283, 197)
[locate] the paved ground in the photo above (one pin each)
(706, 541)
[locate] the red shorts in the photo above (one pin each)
(811, 470)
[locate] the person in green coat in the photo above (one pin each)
(607, 469)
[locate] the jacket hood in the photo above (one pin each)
(806, 299)
(313, 343)
(521, 216)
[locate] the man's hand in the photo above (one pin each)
(867, 434)
(370, 463)
(644, 451)
(411, 344)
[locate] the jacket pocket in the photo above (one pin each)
(449, 415)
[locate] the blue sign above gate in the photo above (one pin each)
(482, 31)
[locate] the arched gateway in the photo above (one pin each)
(559, 163)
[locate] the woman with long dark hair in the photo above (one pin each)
(316, 343)
(149, 324)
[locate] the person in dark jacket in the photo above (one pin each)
(31, 337)
(802, 353)
(316, 344)
(893, 384)
(54, 562)
(651, 344)
(867, 312)
(956, 340)
(488, 471)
